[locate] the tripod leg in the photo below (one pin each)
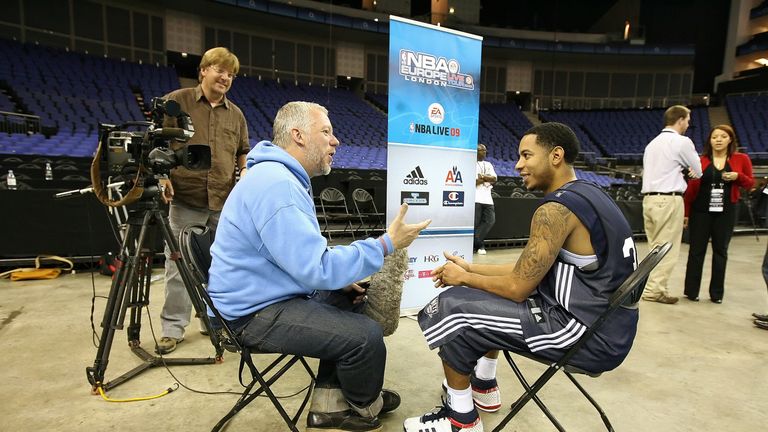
(117, 301)
(189, 282)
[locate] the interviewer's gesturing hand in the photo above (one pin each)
(451, 272)
(403, 234)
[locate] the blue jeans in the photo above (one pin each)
(485, 217)
(350, 345)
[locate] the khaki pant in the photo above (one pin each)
(663, 221)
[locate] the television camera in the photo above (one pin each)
(152, 148)
(145, 157)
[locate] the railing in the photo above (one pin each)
(19, 123)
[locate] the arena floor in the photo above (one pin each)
(694, 367)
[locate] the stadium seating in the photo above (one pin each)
(624, 133)
(749, 115)
(72, 93)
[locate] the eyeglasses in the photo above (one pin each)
(225, 73)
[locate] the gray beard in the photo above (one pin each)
(315, 157)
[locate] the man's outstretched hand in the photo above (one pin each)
(403, 234)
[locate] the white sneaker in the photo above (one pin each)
(481, 252)
(444, 419)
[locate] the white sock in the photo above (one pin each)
(460, 400)
(486, 368)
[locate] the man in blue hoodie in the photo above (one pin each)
(274, 278)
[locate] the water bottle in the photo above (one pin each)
(11, 180)
(48, 171)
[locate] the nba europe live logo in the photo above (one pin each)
(424, 68)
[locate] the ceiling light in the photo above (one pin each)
(763, 61)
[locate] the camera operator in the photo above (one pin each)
(198, 196)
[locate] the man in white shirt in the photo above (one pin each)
(485, 215)
(667, 159)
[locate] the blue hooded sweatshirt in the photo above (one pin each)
(268, 245)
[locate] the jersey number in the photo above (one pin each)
(630, 251)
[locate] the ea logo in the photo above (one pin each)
(436, 113)
(453, 66)
(453, 196)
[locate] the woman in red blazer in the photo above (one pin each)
(710, 209)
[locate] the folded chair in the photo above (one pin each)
(335, 213)
(627, 294)
(371, 219)
(195, 243)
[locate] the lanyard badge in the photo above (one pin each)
(716, 196)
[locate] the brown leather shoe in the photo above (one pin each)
(665, 299)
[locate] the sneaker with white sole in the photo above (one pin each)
(444, 419)
(485, 394)
(481, 252)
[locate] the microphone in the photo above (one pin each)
(171, 132)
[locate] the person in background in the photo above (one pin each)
(663, 185)
(761, 320)
(485, 214)
(710, 209)
(198, 196)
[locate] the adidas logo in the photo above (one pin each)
(416, 177)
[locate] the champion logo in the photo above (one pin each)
(416, 177)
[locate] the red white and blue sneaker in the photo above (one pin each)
(485, 394)
(444, 419)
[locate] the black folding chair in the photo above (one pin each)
(371, 219)
(628, 294)
(335, 213)
(195, 242)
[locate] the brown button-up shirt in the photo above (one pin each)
(224, 130)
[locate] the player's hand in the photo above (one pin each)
(449, 274)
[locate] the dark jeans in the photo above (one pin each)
(702, 226)
(485, 217)
(350, 345)
(765, 267)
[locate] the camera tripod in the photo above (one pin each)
(129, 292)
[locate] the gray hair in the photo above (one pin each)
(293, 115)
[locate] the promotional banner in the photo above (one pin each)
(434, 102)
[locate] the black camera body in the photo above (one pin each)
(128, 150)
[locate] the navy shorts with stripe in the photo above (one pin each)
(465, 323)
